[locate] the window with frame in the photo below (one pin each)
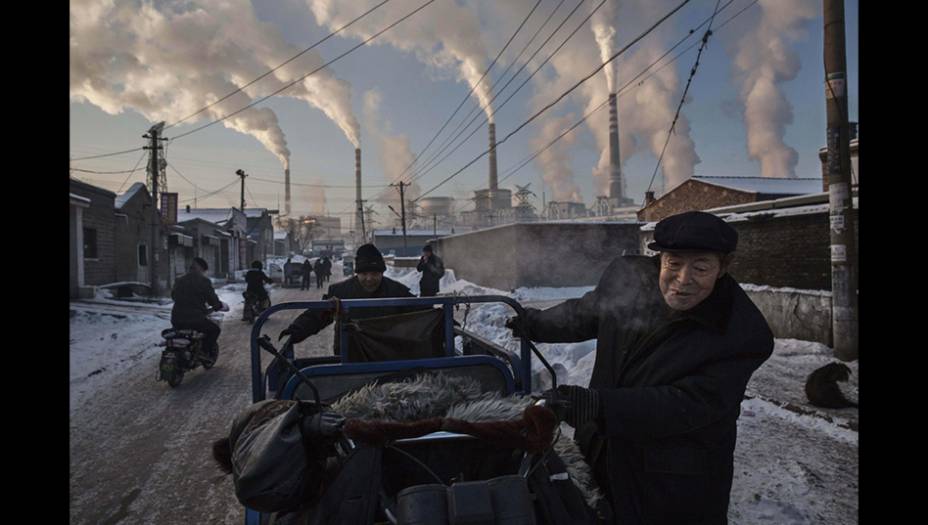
(143, 255)
(90, 243)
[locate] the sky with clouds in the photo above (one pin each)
(755, 107)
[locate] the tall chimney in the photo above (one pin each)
(357, 181)
(615, 173)
(286, 191)
(494, 184)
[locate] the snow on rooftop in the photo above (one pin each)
(411, 233)
(214, 215)
(252, 213)
(768, 185)
(121, 200)
(279, 236)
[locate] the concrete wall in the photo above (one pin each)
(537, 254)
(795, 314)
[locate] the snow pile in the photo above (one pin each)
(488, 321)
(102, 345)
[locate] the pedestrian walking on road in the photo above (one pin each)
(307, 269)
(432, 269)
(319, 268)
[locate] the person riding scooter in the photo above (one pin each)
(255, 293)
(192, 293)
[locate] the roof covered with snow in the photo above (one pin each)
(252, 213)
(213, 215)
(121, 200)
(410, 233)
(279, 236)
(765, 185)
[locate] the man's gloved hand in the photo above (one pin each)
(515, 324)
(577, 405)
(323, 424)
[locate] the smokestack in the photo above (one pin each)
(494, 184)
(357, 182)
(615, 174)
(286, 191)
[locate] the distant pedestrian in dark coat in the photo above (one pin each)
(319, 268)
(307, 269)
(326, 268)
(433, 269)
(288, 271)
(677, 342)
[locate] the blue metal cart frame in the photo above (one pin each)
(450, 360)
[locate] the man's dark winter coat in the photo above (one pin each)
(191, 293)
(311, 322)
(670, 386)
(432, 269)
(256, 279)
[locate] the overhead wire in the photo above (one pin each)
(494, 109)
(673, 123)
(282, 64)
(469, 93)
(477, 107)
(560, 97)
(339, 57)
(107, 154)
(627, 87)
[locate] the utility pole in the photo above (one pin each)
(402, 185)
(840, 200)
(241, 173)
(154, 165)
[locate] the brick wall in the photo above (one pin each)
(791, 251)
(98, 216)
(540, 254)
(693, 195)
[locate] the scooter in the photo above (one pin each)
(254, 308)
(185, 351)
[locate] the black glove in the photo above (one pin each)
(516, 325)
(578, 405)
(323, 424)
(285, 333)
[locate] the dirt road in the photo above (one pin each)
(141, 451)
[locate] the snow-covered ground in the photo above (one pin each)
(108, 336)
(790, 468)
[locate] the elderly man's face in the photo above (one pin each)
(370, 280)
(688, 278)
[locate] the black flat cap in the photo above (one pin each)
(694, 230)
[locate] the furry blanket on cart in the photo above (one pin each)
(379, 413)
(431, 402)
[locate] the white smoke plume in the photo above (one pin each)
(310, 198)
(604, 32)
(443, 35)
(763, 61)
(645, 112)
(169, 59)
(554, 162)
(394, 152)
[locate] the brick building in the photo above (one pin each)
(260, 234)
(784, 243)
(229, 227)
(703, 193)
(97, 225)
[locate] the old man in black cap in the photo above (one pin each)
(677, 342)
(368, 282)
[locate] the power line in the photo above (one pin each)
(477, 106)
(339, 57)
(131, 172)
(561, 96)
(626, 87)
(214, 192)
(493, 111)
(705, 40)
(330, 35)
(108, 154)
(319, 185)
(469, 93)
